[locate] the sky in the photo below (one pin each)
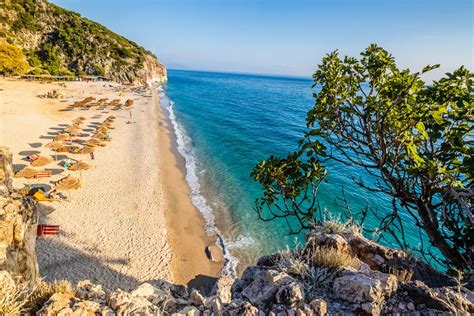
(289, 37)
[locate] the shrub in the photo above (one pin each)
(12, 60)
(334, 225)
(43, 292)
(292, 262)
(333, 259)
(13, 299)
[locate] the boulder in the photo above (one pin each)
(144, 290)
(269, 286)
(196, 298)
(57, 302)
(86, 290)
(223, 288)
(290, 294)
(388, 282)
(188, 311)
(320, 307)
(357, 288)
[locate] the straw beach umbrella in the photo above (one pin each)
(102, 129)
(73, 129)
(93, 142)
(77, 121)
(68, 183)
(79, 166)
(55, 146)
(62, 137)
(102, 136)
(87, 150)
(26, 173)
(41, 161)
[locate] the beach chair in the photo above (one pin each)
(32, 157)
(74, 150)
(43, 174)
(40, 197)
(62, 150)
(45, 230)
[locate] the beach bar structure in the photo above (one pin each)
(63, 78)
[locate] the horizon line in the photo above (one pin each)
(243, 73)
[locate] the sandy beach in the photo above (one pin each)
(132, 221)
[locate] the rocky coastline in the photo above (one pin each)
(377, 280)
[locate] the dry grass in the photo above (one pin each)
(333, 259)
(334, 225)
(298, 265)
(44, 290)
(13, 299)
(402, 275)
(292, 263)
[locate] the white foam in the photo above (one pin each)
(185, 148)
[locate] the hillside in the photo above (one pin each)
(61, 42)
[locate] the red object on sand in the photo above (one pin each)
(44, 230)
(43, 174)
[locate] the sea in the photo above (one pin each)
(224, 125)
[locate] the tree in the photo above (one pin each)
(415, 139)
(12, 60)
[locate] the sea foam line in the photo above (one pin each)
(185, 148)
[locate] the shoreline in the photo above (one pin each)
(186, 231)
(133, 220)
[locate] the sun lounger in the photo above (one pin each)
(32, 157)
(44, 230)
(40, 197)
(43, 174)
(62, 150)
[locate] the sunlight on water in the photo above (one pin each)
(226, 124)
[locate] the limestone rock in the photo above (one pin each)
(86, 290)
(196, 298)
(358, 288)
(223, 288)
(144, 290)
(319, 306)
(57, 303)
(188, 311)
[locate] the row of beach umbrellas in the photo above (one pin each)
(70, 182)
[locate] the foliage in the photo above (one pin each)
(12, 60)
(333, 259)
(402, 275)
(299, 264)
(415, 139)
(334, 225)
(13, 298)
(75, 44)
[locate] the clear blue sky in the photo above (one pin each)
(288, 37)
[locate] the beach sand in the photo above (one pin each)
(132, 221)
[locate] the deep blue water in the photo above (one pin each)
(229, 123)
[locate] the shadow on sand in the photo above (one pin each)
(60, 261)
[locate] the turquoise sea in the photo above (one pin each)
(225, 124)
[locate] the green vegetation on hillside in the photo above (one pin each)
(414, 140)
(69, 43)
(12, 60)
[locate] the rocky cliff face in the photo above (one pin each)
(333, 274)
(60, 42)
(18, 219)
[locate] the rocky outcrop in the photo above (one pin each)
(18, 220)
(268, 289)
(61, 42)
